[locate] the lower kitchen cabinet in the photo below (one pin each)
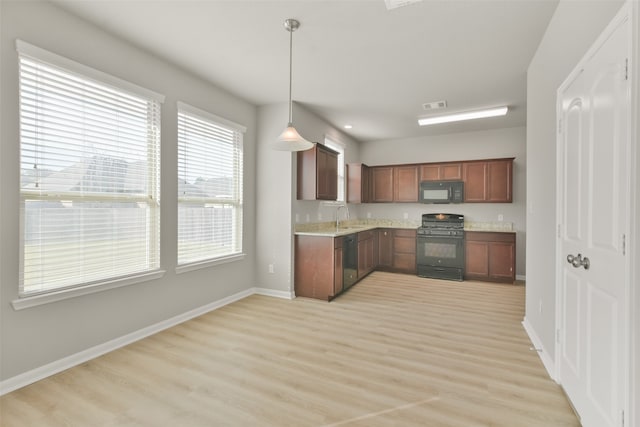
(366, 250)
(397, 250)
(318, 267)
(490, 256)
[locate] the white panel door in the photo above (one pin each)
(593, 222)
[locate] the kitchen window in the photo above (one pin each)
(89, 178)
(210, 170)
(341, 168)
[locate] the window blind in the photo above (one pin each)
(89, 176)
(210, 169)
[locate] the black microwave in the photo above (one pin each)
(441, 192)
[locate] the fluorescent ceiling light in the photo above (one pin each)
(457, 117)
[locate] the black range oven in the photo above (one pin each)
(440, 246)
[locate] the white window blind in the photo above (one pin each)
(89, 175)
(210, 168)
(341, 168)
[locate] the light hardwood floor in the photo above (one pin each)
(395, 350)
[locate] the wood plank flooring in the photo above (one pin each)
(395, 350)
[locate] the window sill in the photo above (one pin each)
(209, 263)
(49, 297)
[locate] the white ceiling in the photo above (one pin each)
(353, 61)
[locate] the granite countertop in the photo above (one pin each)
(491, 227)
(328, 229)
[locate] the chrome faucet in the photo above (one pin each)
(338, 216)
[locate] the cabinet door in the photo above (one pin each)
(385, 248)
(358, 183)
(499, 179)
(337, 271)
(382, 184)
(475, 181)
(450, 171)
(501, 261)
(440, 171)
(430, 172)
(405, 184)
(327, 171)
(476, 260)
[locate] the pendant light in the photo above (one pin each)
(290, 139)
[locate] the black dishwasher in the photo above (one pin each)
(349, 260)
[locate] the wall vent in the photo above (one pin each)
(434, 105)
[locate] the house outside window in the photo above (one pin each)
(210, 177)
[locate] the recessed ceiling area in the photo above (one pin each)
(354, 62)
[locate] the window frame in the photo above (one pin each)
(236, 200)
(28, 52)
(342, 183)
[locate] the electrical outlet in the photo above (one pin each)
(297, 217)
(368, 214)
(500, 217)
(308, 218)
(405, 215)
(271, 268)
(319, 216)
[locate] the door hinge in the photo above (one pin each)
(624, 244)
(622, 418)
(559, 230)
(558, 335)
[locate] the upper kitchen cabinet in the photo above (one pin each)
(488, 181)
(405, 183)
(382, 184)
(440, 171)
(394, 183)
(358, 183)
(318, 174)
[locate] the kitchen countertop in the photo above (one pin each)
(328, 229)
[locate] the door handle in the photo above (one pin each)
(578, 261)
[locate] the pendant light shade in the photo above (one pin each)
(290, 139)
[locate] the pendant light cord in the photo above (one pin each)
(290, 74)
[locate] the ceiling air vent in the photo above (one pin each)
(394, 4)
(434, 105)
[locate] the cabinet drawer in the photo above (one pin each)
(409, 232)
(490, 236)
(364, 235)
(404, 245)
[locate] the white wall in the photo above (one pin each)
(489, 144)
(573, 28)
(276, 201)
(36, 336)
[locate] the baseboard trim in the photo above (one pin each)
(547, 361)
(521, 277)
(274, 293)
(60, 365)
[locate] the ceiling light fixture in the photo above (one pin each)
(290, 139)
(348, 126)
(468, 115)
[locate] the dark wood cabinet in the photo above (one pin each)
(317, 174)
(488, 181)
(382, 184)
(385, 248)
(490, 256)
(394, 184)
(404, 251)
(318, 266)
(358, 183)
(440, 171)
(397, 250)
(366, 249)
(405, 183)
